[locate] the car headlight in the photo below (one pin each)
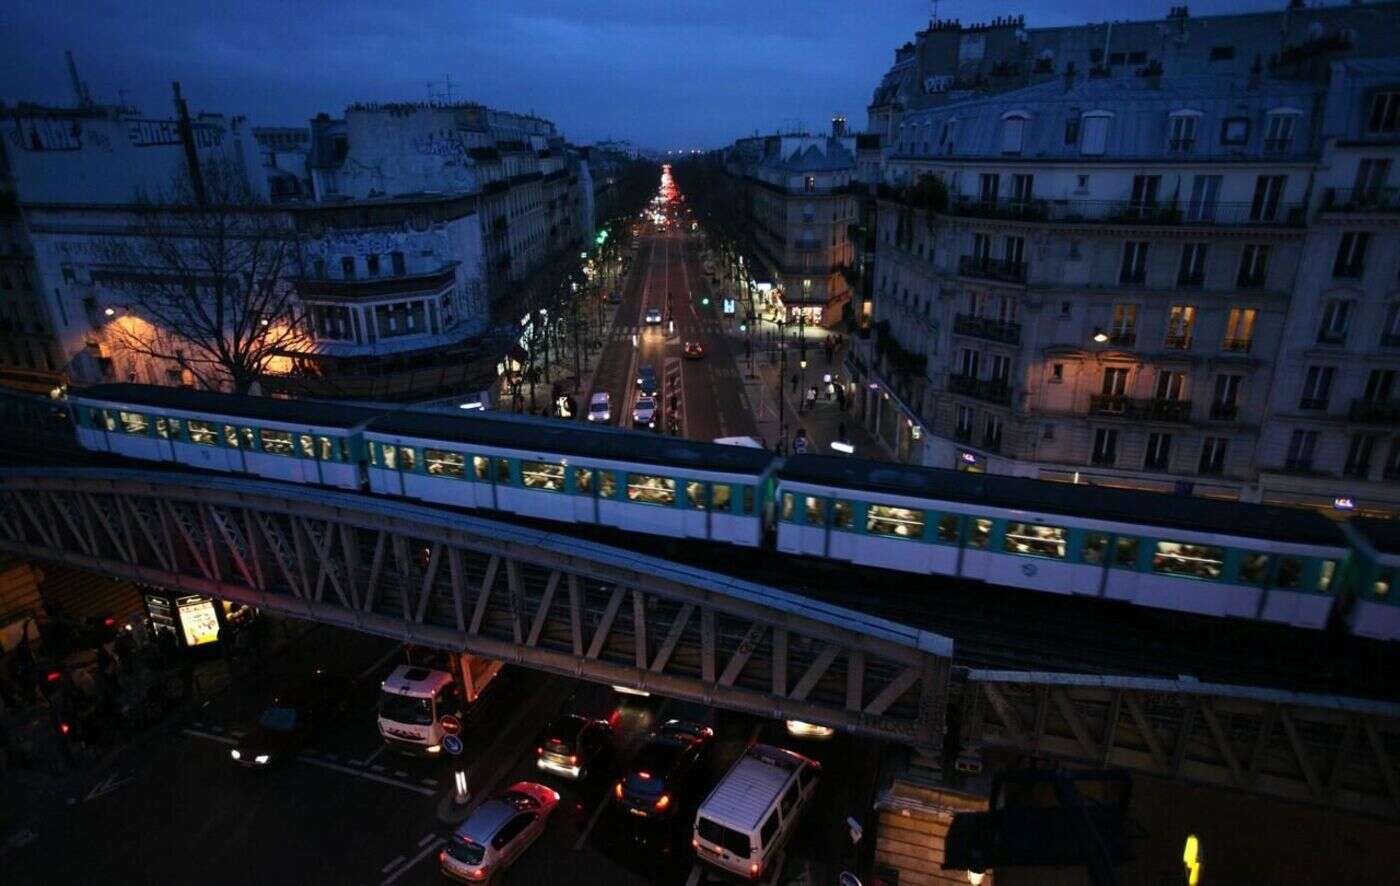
(235, 754)
(433, 748)
(261, 759)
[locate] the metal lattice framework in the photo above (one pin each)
(1314, 749)
(437, 578)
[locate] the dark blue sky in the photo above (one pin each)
(664, 74)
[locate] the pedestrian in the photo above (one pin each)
(794, 383)
(830, 390)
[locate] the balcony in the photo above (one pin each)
(1313, 404)
(991, 390)
(375, 287)
(1237, 345)
(1178, 342)
(987, 328)
(1128, 212)
(1361, 200)
(1181, 145)
(1224, 411)
(1150, 409)
(1390, 339)
(1376, 412)
(1277, 145)
(992, 268)
(1331, 337)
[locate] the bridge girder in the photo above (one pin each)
(437, 578)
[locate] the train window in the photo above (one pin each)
(231, 437)
(607, 484)
(1197, 561)
(308, 445)
(748, 499)
(250, 440)
(949, 525)
(168, 427)
(1125, 552)
(134, 423)
(650, 489)
(1095, 545)
(1039, 541)
(324, 450)
(901, 522)
(280, 443)
(442, 463)
(1290, 572)
(1324, 576)
(373, 453)
(1384, 579)
(816, 511)
(502, 470)
(788, 506)
(695, 495)
(482, 466)
(977, 535)
(842, 514)
(542, 475)
(1254, 569)
(344, 446)
(405, 459)
(202, 432)
(583, 479)
(723, 496)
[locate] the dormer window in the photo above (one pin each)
(1278, 136)
(1182, 128)
(1013, 131)
(1093, 136)
(947, 136)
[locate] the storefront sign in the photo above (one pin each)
(968, 458)
(198, 620)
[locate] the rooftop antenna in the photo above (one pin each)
(80, 89)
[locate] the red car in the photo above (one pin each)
(694, 350)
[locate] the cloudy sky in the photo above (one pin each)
(683, 73)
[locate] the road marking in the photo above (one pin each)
(106, 786)
(336, 767)
(427, 838)
(432, 847)
(401, 773)
(377, 768)
(364, 675)
(372, 757)
(398, 861)
(222, 739)
(238, 733)
(695, 874)
(597, 813)
(428, 782)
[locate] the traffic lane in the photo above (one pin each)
(614, 370)
(193, 815)
(714, 383)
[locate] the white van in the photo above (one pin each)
(749, 816)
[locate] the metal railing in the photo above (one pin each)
(988, 328)
(1150, 409)
(1361, 200)
(992, 268)
(1131, 212)
(1178, 342)
(990, 389)
(1237, 345)
(1375, 412)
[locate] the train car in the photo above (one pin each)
(302, 442)
(568, 472)
(1371, 574)
(1171, 552)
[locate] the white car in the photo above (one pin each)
(653, 315)
(600, 407)
(498, 832)
(644, 413)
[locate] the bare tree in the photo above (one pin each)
(204, 273)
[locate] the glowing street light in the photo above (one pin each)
(110, 312)
(1100, 336)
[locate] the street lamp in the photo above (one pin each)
(1100, 336)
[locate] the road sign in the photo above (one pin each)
(451, 725)
(452, 744)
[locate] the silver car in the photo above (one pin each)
(498, 832)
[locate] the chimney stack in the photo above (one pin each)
(838, 125)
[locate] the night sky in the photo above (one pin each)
(663, 74)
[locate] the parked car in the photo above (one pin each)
(498, 832)
(665, 771)
(572, 744)
(694, 350)
(294, 715)
(600, 407)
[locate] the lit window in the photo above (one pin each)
(203, 433)
(1095, 545)
(1196, 561)
(134, 423)
(789, 504)
(249, 436)
(607, 484)
(650, 489)
(231, 436)
(1325, 575)
(441, 463)
(815, 511)
(842, 514)
(542, 475)
(481, 466)
(723, 496)
(307, 444)
(695, 495)
(583, 479)
(899, 522)
(977, 535)
(280, 443)
(168, 427)
(1038, 541)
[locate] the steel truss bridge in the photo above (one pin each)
(561, 604)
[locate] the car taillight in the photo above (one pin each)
(754, 869)
(573, 760)
(539, 751)
(64, 728)
(617, 790)
(442, 856)
(53, 676)
(694, 843)
(663, 801)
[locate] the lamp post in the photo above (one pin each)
(782, 384)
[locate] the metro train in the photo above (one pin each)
(1187, 554)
